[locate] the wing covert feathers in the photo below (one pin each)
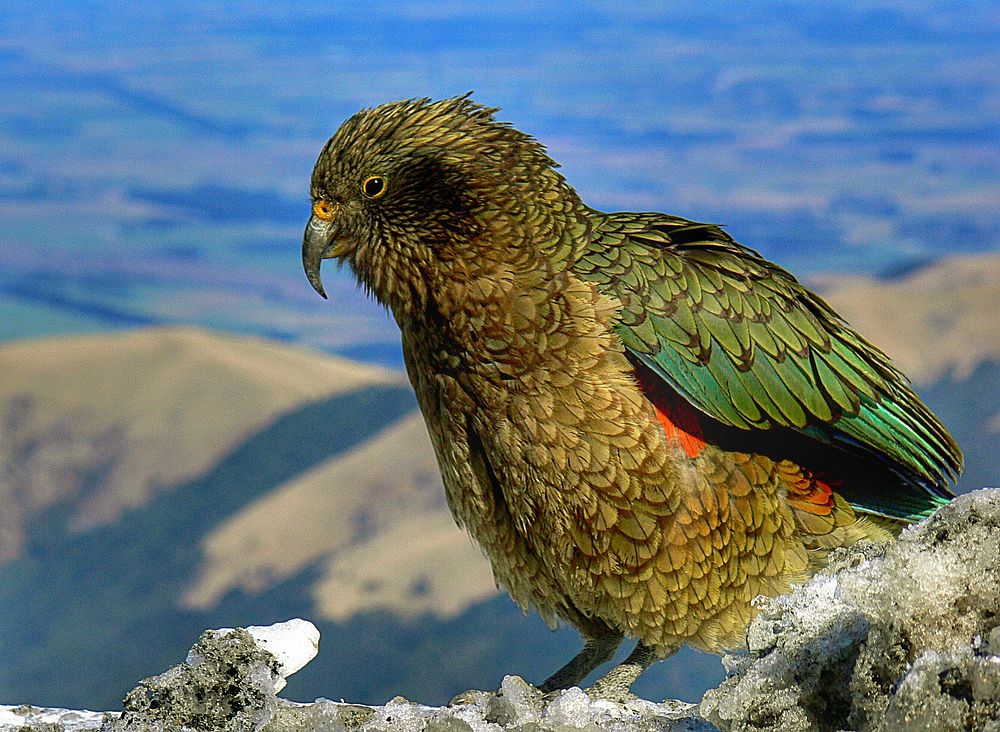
(743, 341)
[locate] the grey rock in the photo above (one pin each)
(902, 637)
(227, 684)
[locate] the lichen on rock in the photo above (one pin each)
(229, 681)
(226, 684)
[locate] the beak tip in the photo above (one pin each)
(317, 285)
(316, 246)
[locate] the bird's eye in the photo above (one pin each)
(322, 209)
(374, 186)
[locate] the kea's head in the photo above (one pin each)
(414, 195)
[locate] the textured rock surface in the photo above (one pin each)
(229, 681)
(903, 638)
(174, 703)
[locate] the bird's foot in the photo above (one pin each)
(472, 696)
(550, 696)
(599, 648)
(616, 685)
(679, 706)
(617, 693)
(615, 690)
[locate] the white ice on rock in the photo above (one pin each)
(68, 720)
(250, 664)
(521, 706)
(294, 643)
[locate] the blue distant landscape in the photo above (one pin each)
(154, 170)
(154, 161)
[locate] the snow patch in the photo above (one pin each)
(293, 643)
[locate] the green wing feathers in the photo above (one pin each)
(747, 344)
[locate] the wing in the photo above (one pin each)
(744, 342)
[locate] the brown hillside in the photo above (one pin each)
(941, 319)
(374, 519)
(105, 421)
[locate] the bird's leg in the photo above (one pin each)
(599, 647)
(600, 644)
(616, 685)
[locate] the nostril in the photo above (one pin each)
(323, 209)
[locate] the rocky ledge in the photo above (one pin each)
(904, 637)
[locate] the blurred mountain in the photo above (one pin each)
(160, 481)
(99, 424)
(939, 323)
(121, 454)
(935, 321)
(374, 523)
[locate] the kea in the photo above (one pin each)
(643, 423)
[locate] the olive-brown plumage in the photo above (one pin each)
(644, 424)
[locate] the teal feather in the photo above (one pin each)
(749, 346)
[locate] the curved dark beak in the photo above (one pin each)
(317, 245)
